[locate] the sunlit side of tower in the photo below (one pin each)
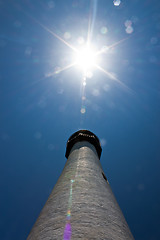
(81, 205)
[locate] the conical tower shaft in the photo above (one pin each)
(81, 205)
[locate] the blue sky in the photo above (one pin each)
(41, 104)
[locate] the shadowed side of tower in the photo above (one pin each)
(81, 205)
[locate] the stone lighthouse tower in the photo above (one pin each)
(81, 205)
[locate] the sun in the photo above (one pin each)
(85, 58)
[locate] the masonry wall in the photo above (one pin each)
(81, 205)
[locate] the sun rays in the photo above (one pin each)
(86, 57)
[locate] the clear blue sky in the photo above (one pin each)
(41, 104)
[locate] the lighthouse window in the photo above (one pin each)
(104, 177)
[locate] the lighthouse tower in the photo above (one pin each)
(81, 205)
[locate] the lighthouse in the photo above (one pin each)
(82, 204)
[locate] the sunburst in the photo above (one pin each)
(86, 58)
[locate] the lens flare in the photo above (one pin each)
(67, 232)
